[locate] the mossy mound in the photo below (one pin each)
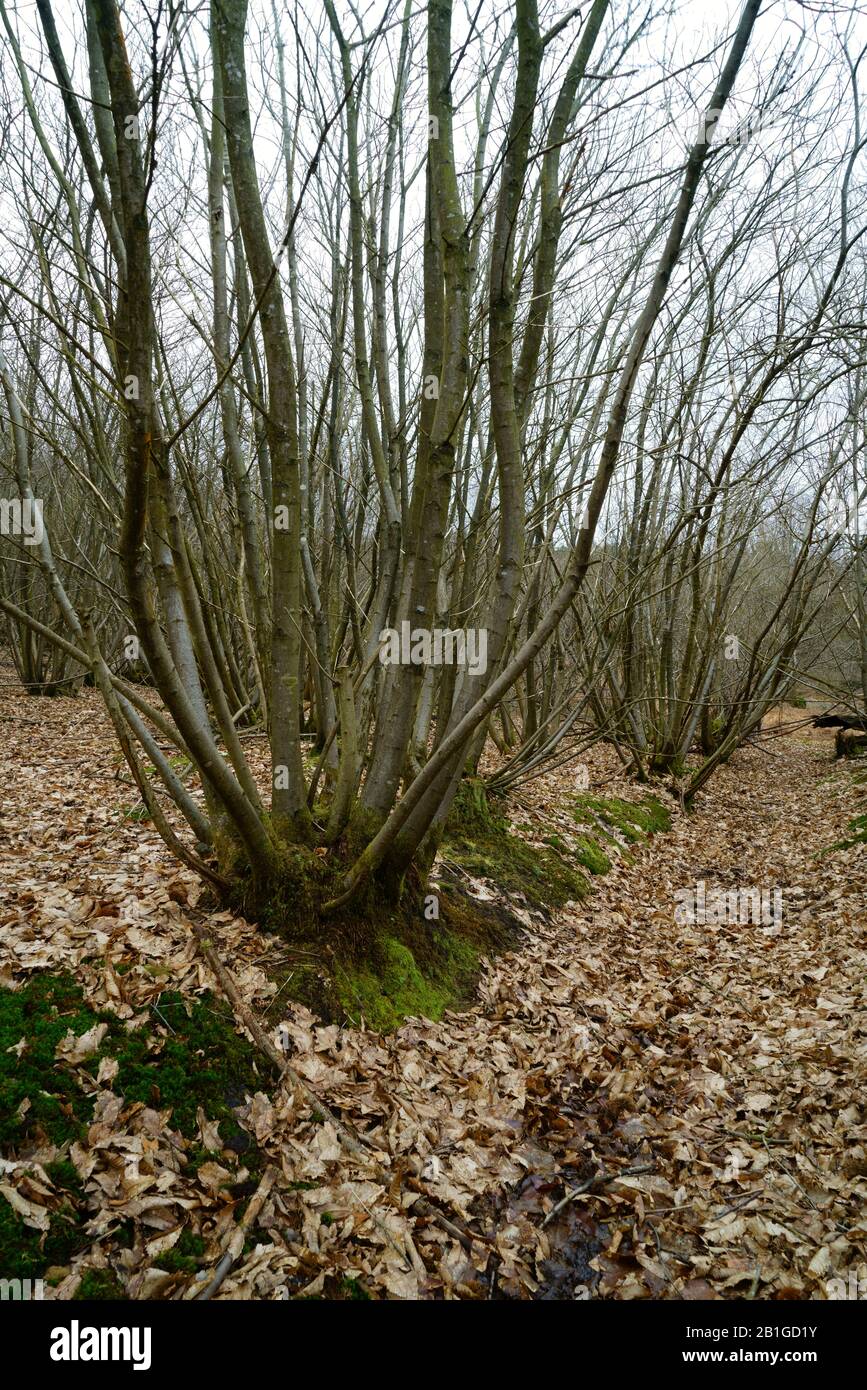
(633, 820)
(406, 965)
(289, 902)
(392, 987)
(380, 959)
(591, 854)
(478, 838)
(402, 961)
(189, 1055)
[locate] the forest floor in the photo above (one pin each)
(634, 1106)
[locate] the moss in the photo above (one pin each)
(668, 764)
(591, 854)
(288, 902)
(363, 827)
(380, 958)
(634, 820)
(185, 1255)
(64, 1174)
(653, 814)
(99, 1284)
(190, 1056)
(199, 1060)
(479, 839)
(416, 966)
(33, 1020)
(196, 1155)
(384, 997)
(308, 983)
(26, 1253)
(354, 1289)
(124, 1234)
(471, 811)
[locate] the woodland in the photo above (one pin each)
(433, 649)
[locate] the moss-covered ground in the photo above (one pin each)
(188, 1055)
(633, 820)
(381, 961)
(409, 965)
(479, 837)
(417, 958)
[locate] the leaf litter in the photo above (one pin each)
(634, 1107)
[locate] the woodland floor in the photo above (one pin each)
(631, 1108)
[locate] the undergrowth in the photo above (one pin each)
(187, 1056)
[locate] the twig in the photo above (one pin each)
(239, 1235)
(599, 1180)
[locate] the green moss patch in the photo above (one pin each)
(26, 1253)
(185, 1256)
(99, 1284)
(633, 820)
(33, 1020)
(404, 964)
(381, 960)
(385, 997)
(188, 1055)
(591, 854)
(858, 836)
(392, 985)
(191, 1057)
(479, 839)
